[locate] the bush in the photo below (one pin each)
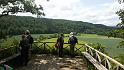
(120, 58)
(98, 47)
(121, 44)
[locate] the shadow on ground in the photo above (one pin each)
(51, 62)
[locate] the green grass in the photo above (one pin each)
(65, 40)
(9, 41)
(18, 37)
(110, 43)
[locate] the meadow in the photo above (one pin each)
(110, 43)
(7, 42)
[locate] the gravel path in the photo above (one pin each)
(50, 62)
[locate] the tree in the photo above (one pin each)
(120, 1)
(120, 13)
(120, 31)
(121, 17)
(15, 6)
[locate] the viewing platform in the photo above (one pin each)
(53, 62)
(44, 57)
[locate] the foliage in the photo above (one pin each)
(99, 47)
(118, 33)
(8, 42)
(15, 6)
(44, 37)
(120, 58)
(15, 42)
(15, 25)
(2, 35)
(121, 44)
(110, 44)
(121, 17)
(8, 52)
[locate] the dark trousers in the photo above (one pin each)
(60, 51)
(24, 56)
(72, 54)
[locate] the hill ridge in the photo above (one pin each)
(18, 24)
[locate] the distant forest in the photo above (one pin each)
(15, 25)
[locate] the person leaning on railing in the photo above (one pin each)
(72, 41)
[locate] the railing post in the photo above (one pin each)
(90, 51)
(98, 57)
(86, 48)
(3, 54)
(16, 49)
(44, 46)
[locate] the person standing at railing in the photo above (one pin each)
(72, 41)
(60, 42)
(24, 45)
(29, 37)
(30, 41)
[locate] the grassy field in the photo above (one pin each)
(110, 43)
(9, 41)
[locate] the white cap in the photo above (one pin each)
(72, 33)
(28, 31)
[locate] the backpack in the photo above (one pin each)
(30, 39)
(57, 45)
(72, 40)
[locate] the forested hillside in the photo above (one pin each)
(13, 25)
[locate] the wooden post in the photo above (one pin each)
(44, 46)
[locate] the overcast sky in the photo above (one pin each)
(94, 11)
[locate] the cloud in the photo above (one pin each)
(107, 14)
(104, 13)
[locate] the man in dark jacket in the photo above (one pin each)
(72, 41)
(60, 42)
(24, 45)
(30, 41)
(29, 37)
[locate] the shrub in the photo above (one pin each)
(98, 47)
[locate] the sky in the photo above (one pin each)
(93, 11)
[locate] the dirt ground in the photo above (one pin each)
(51, 62)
